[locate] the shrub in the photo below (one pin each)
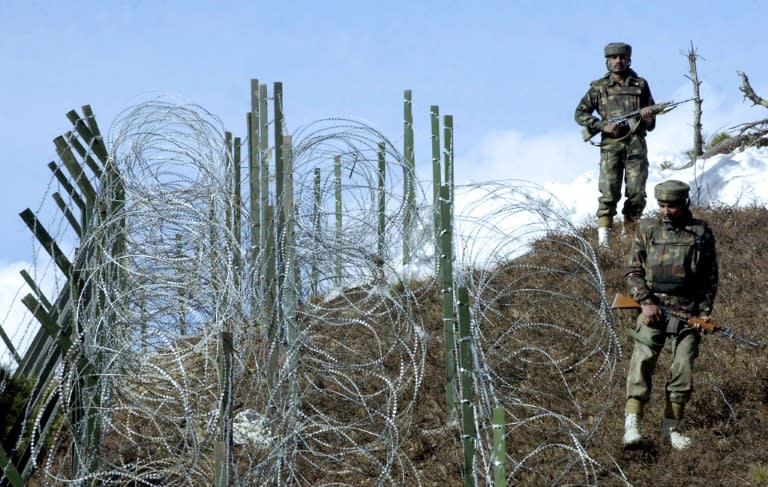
(13, 396)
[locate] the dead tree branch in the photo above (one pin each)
(761, 126)
(749, 93)
(750, 134)
(735, 143)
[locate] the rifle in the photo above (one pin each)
(657, 109)
(625, 302)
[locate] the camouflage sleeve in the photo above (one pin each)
(646, 100)
(709, 272)
(634, 276)
(586, 107)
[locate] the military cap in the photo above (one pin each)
(618, 48)
(671, 191)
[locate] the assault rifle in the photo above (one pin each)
(657, 109)
(625, 302)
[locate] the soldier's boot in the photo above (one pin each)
(632, 434)
(603, 236)
(630, 225)
(604, 229)
(671, 434)
(673, 414)
(633, 413)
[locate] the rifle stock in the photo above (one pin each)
(621, 301)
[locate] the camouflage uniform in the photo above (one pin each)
(623, 157)
(674, 265)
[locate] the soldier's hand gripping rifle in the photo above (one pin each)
(619, 120)
(625, 302)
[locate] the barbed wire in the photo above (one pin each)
(329, 365)
(546, 349)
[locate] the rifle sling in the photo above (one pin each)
(673, 329)
(633, 124)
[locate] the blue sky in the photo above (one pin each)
(510, 72)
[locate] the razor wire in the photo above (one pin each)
(545, 346)
(326, 392)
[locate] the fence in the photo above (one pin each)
(206, 335)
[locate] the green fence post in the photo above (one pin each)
(449, 310)
(68, 214)
(254, 165)
(468, 431)
(410, 172)
(499, 459)
(278, 108)
(237, 211)
(229, 220)
(267, 317)
(9, 346)
(316, 202)
(264, 163)
(448, 151)
(71, 192)
(223, 445)
(434, 113)
(337, 185)
(291, 273)
(9, 470)
(72, 141)
(89, 131)
(266, 237)
(382, 200)
(36, 289)
(76, 171)
(46, 241)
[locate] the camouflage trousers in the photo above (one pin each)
(649, 342)
(627, 161)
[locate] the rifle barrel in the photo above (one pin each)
(728, 333)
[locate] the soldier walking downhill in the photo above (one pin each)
(672, 264)
(623, 151)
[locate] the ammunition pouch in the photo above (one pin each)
(674, 325)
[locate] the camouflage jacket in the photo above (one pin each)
(675, 266)
(610, 99)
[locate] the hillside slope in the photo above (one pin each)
(562, 389)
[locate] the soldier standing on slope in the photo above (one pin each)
(623, 151)
(672, 264)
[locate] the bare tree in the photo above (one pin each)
(698, 143)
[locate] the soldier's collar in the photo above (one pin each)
(629, 74)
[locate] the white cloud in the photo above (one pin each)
(557, 156)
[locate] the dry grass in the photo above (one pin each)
(728, 414)
(727, 417)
